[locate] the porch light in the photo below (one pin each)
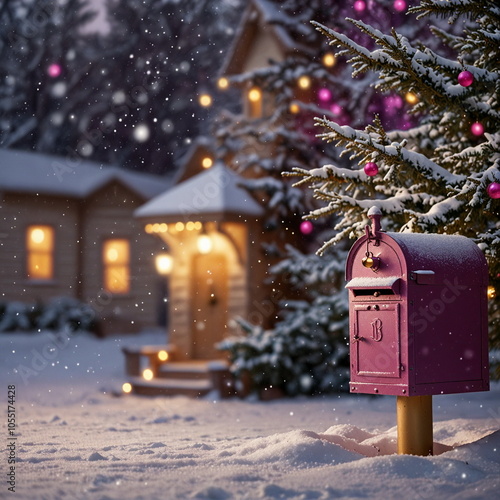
(492, 293)
(147, 374)
(204, 244)
(164, 263)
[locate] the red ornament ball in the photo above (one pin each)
(371, 169)
(465, 78)
(494, 190)
(306, 227)
(477, 129)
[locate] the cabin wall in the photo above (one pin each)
(109, 214)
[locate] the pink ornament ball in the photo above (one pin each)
(494, 190)
(371, 169)
(324, 94)
(465, 78)
(54, 70)
(477, 129)
(306, 227)
(399, 5)
(359, 5)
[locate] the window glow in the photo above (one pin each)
(40, 252)
(116, 264)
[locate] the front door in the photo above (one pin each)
(209, 294)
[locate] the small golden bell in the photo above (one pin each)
(368, 262)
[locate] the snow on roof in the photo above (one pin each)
(27, 172)
(209, 195)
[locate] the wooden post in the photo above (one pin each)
(414, 418)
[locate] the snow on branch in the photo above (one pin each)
(362, 143)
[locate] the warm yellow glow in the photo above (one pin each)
(304, 82)
(207, 162)
(179, 226)
(294, 108)
(204, 244)
(148, 374)
(127, 388)
(205, 100)
(329, 60)
(163, 355)
(156, 228)
(37, 235)
(149, 228)
(197, 225)
(254, 94)
(223, 83)
(163, 228)
(116, 264)
(112, 255)
(492, 293)
(190, 226)
(40, 252)
(411, 98)
(164, 263)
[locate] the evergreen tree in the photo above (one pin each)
(315, 310)
(441, 175)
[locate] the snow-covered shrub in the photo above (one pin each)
(306, 351)
(15, 316)
(66, 313)
(61, 314)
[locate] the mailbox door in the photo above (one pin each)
(375, 342)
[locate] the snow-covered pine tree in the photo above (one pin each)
(443, 174)
(314, 313)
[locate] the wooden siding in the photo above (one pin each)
(109, 214)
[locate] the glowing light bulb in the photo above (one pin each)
(148, 374)
(205, 100)
(207, 162)
(294, 108)
(304, 82)
(411, 98)
(329, 60)
(223, 83)
(163, 355)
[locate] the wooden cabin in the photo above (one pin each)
(67, 230)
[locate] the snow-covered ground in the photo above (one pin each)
(76, 439)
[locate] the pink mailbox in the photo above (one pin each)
(417, 308)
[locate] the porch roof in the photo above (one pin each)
(213, 195)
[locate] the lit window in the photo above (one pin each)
(40, 252)
(116, 260)
(255, 102)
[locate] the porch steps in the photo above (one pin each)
(193, 378)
